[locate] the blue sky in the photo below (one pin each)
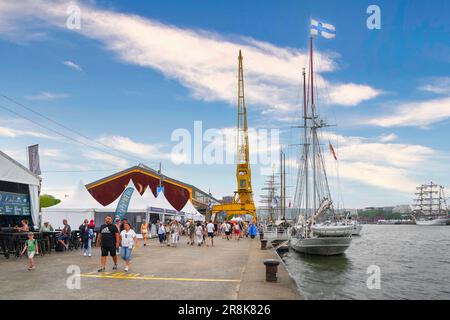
(137, 70)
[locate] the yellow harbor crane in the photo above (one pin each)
(243, 198)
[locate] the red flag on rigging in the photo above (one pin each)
(332, 151)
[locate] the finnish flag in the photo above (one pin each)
(325, 30)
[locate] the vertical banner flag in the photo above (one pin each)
(33, 159)
(122, 206)
(325, 30)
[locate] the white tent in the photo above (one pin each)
(162, 202)
(199, 217)
(77, 207)
(189, 210)
(13, 171)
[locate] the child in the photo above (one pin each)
(32, 248)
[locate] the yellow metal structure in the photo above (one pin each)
(243, 198)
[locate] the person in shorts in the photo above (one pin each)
(65, 235)
(227, 230)
(210, 228)
(144, 231)
(108, 240)
(32, 248)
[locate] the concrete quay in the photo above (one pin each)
(229, 270)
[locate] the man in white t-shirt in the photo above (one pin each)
(210, 228)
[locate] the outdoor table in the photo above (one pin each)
(51, 240)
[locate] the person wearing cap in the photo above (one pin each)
(46, 227)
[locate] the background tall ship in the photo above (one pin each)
(430, 207)
(319, 230)
(276, 227)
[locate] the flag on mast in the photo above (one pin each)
(332, 151)
(325, 30)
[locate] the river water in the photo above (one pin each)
(414, 263)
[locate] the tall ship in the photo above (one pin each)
(319, 230)
(430, 206)
(276, 227)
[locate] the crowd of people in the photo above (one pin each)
(117, 237)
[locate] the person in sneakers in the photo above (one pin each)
(32, 248)
(128, 241)
(108, 240)
(86, 234)
(210, 228)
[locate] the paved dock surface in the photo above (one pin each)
(229, 270)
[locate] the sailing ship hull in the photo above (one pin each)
(327, 246)
(332, 231)
(433, 222)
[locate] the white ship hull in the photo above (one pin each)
(433, 222)
(327, 246)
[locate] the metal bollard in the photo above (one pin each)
(263, 244)
(271, 269)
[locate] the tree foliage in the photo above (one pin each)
(47, 200)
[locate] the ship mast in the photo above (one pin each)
(313, 159)
(305, 127)
(313, 127)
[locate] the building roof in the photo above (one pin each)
(149, 170)
(13, 171)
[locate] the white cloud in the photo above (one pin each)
(381, 176)
(440, 85)
(15, 133)
(415, 114)
(128, 146)
(47, 96)
(73, 65)
(203, 61)
(385, 165)
(103, 158)
(351, 94)
(388, 137)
